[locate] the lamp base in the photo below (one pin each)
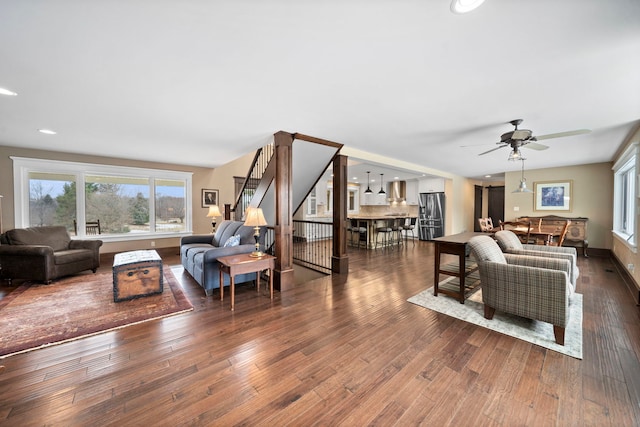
(256, 254)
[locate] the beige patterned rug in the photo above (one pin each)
(37, 315)
(533, 331)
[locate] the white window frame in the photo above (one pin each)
(23, 166)
(625, 201)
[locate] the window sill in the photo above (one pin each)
(622, 238)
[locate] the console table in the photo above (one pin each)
(576, 234)
(466, 279)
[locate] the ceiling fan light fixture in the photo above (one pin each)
(516, 154)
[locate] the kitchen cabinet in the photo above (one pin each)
(412, 193)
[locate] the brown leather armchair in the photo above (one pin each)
(45, 254)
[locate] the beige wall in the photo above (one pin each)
(220, 178)
(592, 194)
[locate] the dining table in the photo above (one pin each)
(543, 234)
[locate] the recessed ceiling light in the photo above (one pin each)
(47, 131)
(7, 92)
(465, 6)
(487, 176)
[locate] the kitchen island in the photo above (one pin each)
(370, 223)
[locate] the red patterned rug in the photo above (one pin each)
(37, 315)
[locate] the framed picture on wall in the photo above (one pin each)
(209, 197)
(553, 196)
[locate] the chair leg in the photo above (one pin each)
(489, 312)
(558, 332)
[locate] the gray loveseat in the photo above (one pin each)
(45, 254)
(199, 253)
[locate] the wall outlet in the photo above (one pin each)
(630, 267)
(153, 244)
(516, 208)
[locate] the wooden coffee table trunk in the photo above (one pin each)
(136, 274)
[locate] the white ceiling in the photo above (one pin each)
(204, 82)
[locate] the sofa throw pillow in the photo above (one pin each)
(232, 241)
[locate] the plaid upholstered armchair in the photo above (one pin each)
(510, 243)
(531, 287)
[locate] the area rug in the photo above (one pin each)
(37, 315)
(533, 331)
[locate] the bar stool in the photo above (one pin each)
(359, 229)
(410, 227)
(383, 228)
(396, 227)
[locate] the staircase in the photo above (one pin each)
(310, 158)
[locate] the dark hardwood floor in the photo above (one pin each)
(342, 350)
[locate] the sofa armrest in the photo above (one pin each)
(26, 250)
(212, 255)
(196, 238)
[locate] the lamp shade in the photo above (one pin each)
(214, 211)
(255, 218)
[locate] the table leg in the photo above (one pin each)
(221, 285)
(233, 291)
(461, 270)
(436, 270)
(258, 281)
(271, 282)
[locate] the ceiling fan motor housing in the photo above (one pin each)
(518, 135)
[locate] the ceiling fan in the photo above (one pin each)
(524, 138)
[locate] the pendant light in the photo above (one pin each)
(381, 192)
(368, 190)
(522, 188)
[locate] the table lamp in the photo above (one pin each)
(255, 219)
(214, 212)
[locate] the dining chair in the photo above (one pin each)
(92, 228)
(486, 224)
(521, 229)
(563, 234)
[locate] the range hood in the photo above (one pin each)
(397, 191)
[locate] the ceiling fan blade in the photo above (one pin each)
(536, 146)
(563, 134)
(477, 145)
(493, 149)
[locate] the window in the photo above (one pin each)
(129, 203)
(624, 203)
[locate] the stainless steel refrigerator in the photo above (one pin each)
(431, 216)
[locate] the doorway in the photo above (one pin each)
(495, 211)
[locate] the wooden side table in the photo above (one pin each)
(463, 270)
(244, 264)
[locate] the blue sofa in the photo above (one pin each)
(199, 253)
